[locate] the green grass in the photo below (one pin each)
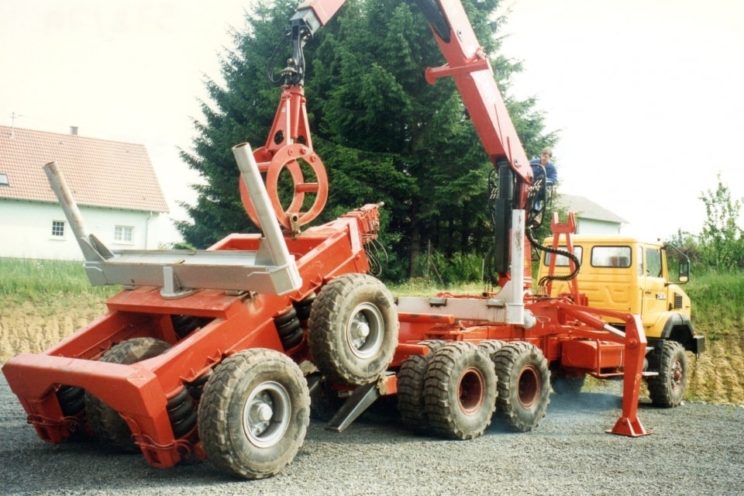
(717, 299)
(717, 303)
(423, 287)
(36, 280)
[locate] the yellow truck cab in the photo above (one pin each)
(625, 274)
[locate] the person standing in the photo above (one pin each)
(544, 165)
(543, 193)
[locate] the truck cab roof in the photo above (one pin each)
(598, 239)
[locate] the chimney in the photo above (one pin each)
(74, 130)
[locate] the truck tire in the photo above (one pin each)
(433, 344)
(490, 347)
(71, 400)
(459, 391)
(184, 325)
(524, 385)
(254, 413)
(411, 377)
(566, 384)
(353, 329)
(106, 424)
(667, 390)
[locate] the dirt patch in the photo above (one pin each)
(717, 374)
(34, 327)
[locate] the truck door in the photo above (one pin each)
(653, 288)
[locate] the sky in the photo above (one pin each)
(646, 95)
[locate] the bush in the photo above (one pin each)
(722, 240)
(457, 269)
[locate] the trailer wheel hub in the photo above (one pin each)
(529, 386)
(266, 414)
(366, 330)
(471, 390)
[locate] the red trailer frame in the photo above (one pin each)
(140, 392)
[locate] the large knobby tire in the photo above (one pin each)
(254, 413)
(459, 391)
(353, 329)
(667, 390)
(567, 384)
(106, 424)
(411, 377)
(490, 347)
(71, 400)
(524, 385)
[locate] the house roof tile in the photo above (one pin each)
(587, 209)
(99, 172)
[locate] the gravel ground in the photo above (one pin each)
(695, 449)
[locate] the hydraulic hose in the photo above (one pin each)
(555, 251)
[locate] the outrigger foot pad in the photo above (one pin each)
(627, 427)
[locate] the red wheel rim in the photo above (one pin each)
(528, 386)
(471, 390)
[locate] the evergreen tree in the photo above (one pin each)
(382, 131)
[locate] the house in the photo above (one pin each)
(113, 183)
(591, 218)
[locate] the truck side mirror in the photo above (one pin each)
(684, 271)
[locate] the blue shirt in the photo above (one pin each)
(550, 171)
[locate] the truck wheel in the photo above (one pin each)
(667, 390)
(459, 391)
(254, 413)
(524, 385)
(567, 384)
(71, 400)
(106, 423)
(353, 329)
(490, 347)
(411, 378)
(434, 344)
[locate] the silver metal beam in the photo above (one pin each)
(270, 269)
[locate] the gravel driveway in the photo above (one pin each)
(695, 449)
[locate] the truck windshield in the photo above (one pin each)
(653, 262)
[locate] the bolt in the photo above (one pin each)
(264, 412)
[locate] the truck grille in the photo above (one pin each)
(677, 300)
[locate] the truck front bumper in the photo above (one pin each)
(696, 344)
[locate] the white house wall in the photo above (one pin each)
(591, 226)
(26, 230)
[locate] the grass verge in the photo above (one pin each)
(39, 280)
(718, 303)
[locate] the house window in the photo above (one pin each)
(4, 179)
(58, 228)
(123, 234)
